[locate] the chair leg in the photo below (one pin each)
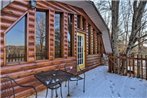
(61, 91)
(65, 83)
(46, 93)
(56, 93)
(77, 82)
(84, 85)
(52, 93)
(68, 89)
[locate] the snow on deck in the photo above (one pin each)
(101, 84)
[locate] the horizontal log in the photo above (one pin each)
(25, 93)
(30, 72)
(33, 65)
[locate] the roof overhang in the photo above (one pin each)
(91, 10)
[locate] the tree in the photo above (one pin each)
(128, 22)
(40, 31)
(115, 28)
(137, 24)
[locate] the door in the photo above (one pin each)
(81, 51)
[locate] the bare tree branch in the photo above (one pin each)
(139, 43)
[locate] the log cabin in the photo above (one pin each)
(39, 36)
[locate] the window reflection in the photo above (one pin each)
(57, 35)
(89, 34)
(15, 42)
(78, 21)
(84, 25)
(41, 49)
(70, 34)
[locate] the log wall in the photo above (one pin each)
(24, 72)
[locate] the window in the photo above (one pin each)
(94, 42)
(98, 43)
(57, 26)
(41, 41)
(15, 42)
(4, 3)
(89, 34)
(69, 37)
(78, 21)
(84, 26)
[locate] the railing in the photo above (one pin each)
(40, 56)
(133, 66)
(15, 58)
(21, 57)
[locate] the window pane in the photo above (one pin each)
(69, 37)
(78, 21)
(89, 34)
(84, 26)
(4, 3)
(93, 41)
(41, 49)
(15, 42)
(57, 35)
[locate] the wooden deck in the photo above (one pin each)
(101, 84)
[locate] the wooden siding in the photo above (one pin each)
(31, 36)
(23, 71)
(93, 60)
(65, 30)
(51, 35)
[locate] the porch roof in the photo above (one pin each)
(91, 10)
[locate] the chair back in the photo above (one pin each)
(71, 69)
(7, 88)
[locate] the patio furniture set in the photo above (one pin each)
(50, 79)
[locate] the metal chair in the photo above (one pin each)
(76, 76)
(8, 89)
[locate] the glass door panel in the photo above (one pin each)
(81, 50)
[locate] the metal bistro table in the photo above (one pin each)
(53, 80)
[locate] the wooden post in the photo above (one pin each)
(113, 60)
(138, 67)
(133, 65)
(109, 65)
(122, 65)
(129, 64)
(116, 63)
(126, 64)
(118, 69)
(141, 66)
(110, 62)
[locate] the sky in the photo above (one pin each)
(16, 36)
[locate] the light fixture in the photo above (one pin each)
(33, 3)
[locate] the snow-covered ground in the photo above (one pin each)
(101, 84)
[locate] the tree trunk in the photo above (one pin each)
(114, 36)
